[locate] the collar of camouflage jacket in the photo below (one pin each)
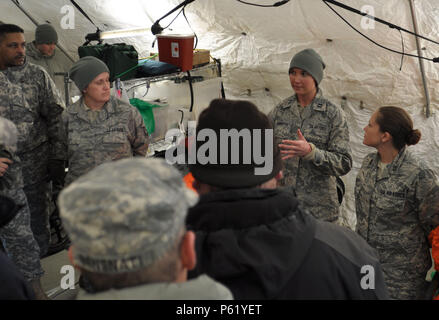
(32, 51)
(394, 165)
(317, 104)
(78, 109)
(16, 69)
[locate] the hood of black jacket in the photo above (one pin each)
(251, 240)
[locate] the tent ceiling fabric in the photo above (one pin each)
(256, 45)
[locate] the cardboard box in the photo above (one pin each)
(201, 57)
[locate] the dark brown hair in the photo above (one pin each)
(398, 123)
(9, 28)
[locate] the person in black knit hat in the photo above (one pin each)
(252, 236)
(246, 119)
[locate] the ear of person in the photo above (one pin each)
(386, 137)
(187, 251)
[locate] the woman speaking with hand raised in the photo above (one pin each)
(313, 136)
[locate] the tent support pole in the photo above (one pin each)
(421, 62)
(36, 23)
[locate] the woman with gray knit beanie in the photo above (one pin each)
(99, 127)
(313, 137)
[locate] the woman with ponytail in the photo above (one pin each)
(394, 212)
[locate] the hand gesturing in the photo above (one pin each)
(295, 148)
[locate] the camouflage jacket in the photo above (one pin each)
(58, 62)
(29, 98)
(314, 180)
(12, 178)
(118, 132)
(390, 218)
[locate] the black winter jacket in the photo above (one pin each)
(260, 245)
(13, 286)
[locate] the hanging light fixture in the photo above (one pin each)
(155, 29)
(122, 33)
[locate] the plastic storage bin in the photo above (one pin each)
(177, 50)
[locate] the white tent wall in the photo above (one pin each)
(256, 44)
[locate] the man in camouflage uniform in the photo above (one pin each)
(42, 51)
(397, 209)
(323, 125)
(17, 236)
(29, 98)
(126, 220)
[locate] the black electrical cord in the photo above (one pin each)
(184, 14)
(146, 92)
(156, 28)
(390, 25)
(277, 4)
(218, 62)
(174, 19)
(139, 85)
(189, 77)
(153, 43)
(376, 43)
(83, 13)
(196, 38)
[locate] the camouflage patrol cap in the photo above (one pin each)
(123, 216)
(8, 134)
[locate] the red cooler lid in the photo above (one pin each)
(176, 36)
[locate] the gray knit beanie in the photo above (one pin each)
(45, 34)
(311, 62)
(85, 70)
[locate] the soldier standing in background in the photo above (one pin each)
(98, 127)
(42, 51)
(395, 194)
(16, 235)
(29, 98)
(314, 138)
